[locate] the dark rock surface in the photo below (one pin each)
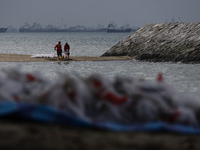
(176, 42)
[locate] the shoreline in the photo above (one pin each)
(27, 58)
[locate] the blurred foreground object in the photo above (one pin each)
(97, 100)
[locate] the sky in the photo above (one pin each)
(136, 13)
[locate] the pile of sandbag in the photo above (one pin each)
(44, 56)
(96, 98)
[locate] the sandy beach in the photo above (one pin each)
(23, 136)
(29, 135)
(27, 58)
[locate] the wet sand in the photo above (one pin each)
(27, 58)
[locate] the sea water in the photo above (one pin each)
(185, 77)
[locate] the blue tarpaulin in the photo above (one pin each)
(49, 114)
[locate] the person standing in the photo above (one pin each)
(66, 49)
(58, 47)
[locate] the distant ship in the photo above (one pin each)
(3, 30)
(11, 29)
(36, 27)
(112, 28)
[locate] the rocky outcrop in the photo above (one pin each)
(176, 42)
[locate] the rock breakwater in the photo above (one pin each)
(176, 42)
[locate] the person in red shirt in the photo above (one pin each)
(58, 47)
(66, 49)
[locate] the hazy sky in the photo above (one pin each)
(93, 12)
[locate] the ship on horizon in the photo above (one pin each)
(36, 27)
(112, 28)
(2, 30)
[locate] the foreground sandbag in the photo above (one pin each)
(44, 56)
(124, 103)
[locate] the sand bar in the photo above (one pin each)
(27, 58)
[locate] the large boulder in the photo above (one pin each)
(176, 42)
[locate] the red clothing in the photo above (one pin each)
(67, 47)
(59, 47)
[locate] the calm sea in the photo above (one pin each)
(185, 77)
